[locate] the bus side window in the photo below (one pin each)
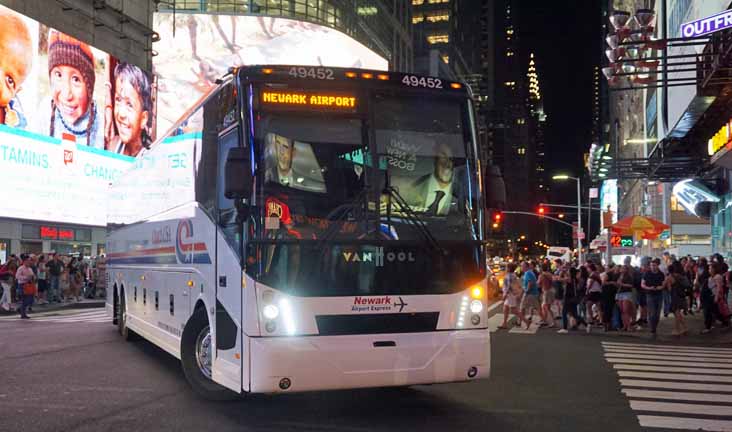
(226, 211)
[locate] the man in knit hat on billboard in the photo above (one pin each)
(71, 79)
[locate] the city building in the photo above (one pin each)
(52, 188)
(657, 139)
(515, 118)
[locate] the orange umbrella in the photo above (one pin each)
(642, 226)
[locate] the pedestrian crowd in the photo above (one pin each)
(55, 278)
(621, 298)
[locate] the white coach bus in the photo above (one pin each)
(308, 228)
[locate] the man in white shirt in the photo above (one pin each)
(434, 192)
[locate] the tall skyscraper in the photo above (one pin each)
(537, 121)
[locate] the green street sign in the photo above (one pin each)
(716, 232)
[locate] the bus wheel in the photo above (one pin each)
(126, 333)
(197, 359)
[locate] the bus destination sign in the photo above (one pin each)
(308, 100)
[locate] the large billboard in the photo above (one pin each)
(196, 49)
(72, 118)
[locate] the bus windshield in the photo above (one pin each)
(346, 199)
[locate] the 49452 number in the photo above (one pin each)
(415, 81)
(312, 72)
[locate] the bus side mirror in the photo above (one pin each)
(237, 174)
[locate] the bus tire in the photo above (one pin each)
(196, 359)
(127, 334)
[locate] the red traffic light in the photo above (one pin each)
(541, 211)
(497, 217)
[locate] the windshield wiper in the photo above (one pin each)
(355, 206)
(410, 215)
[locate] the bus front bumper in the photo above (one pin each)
(310, 363)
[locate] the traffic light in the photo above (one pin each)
(541, 211)
(497, 219)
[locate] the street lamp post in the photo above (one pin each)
(579, 211)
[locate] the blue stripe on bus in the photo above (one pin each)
(200, 258)
(161, 259)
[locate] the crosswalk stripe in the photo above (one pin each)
(656, 357)
(59, 317)
(707, 371)
(664, 347)
(665, 353)
(676, 385)
(533, 328)
(673, 395)
(685, 423)
(675, 377)
(669, 363)
(681, 408)
(678, 380)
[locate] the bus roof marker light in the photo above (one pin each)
(456, 85)
(351, 74)
(267, 71)
(367, 75)
(383, 77)
(190, 283)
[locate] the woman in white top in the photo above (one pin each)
(512, 294)
(25, 275)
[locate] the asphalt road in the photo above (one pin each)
(72, 372)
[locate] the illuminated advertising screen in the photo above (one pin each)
(609, 199)
(72, 118)
(196, 49)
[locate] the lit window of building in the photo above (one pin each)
(509, 53)
(417, 2)
(446, 58)
(521, 150)
(367, 10)
(417, 19)
(437, 1)
(438, 38)
(520, 121)
(439, 16)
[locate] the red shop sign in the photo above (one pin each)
(49, 233)
(65, 234)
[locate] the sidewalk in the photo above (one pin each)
(695, 323)
(83, 304)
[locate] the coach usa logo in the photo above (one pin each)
(184, 250)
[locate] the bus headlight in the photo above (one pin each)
(476, 306)
(270, 312)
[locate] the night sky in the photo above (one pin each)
(565, 36)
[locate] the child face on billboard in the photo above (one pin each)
(129, 115)
(69, 92)
(15, 55)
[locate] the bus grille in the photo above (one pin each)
(333, 325)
